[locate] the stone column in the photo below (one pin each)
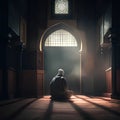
(115, 51)
(114, 67)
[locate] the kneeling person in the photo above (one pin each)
(58, 87)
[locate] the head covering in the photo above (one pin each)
(60, 72)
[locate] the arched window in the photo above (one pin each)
(61, 38)
(61, 7)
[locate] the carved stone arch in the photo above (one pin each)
(59, 26)
(79, 36)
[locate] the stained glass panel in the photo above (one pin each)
(61, 6)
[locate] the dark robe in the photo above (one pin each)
(58, 87)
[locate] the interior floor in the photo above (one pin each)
(79, 107)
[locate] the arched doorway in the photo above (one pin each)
(63, 55)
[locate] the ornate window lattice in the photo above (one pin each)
(61, 38)
(61, 7)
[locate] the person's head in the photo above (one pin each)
(60, 72)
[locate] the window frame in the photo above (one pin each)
(61, 42)
(62, 16)
(58, 9)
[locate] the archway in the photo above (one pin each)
(64, 57)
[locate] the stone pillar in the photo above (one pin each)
(20, 49)
(115, 67)
(115, 51)
(3, 45)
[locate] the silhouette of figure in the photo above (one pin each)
(58, 87)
